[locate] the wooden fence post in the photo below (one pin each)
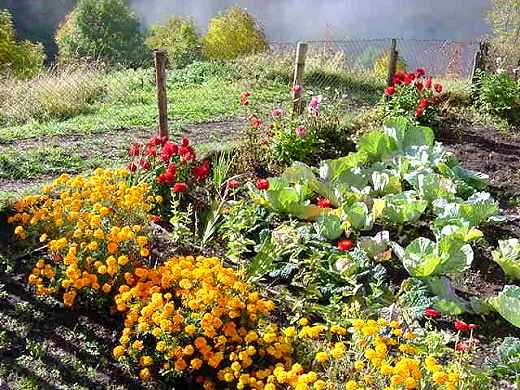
(480, 63)
(392, 62)
(299, 70)
(162, 102)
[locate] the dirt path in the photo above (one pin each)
(106, 148)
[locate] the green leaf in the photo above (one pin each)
(507, 304)
(358, 216)
(473, 212)
(329, 227)
(447, 300)
(403, 208)
(433, 186)
(508, 257)
(377, 145)
(331, 170)
(420, 257)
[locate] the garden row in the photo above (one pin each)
(361, 241)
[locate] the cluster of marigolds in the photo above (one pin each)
(192, 316)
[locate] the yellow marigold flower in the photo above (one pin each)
(290, 331)
(304, 322)
(145, 361)
(119, 351)
(359, 365)
(410, 383)
(180, 364)
(351, 385)
(440, 377)
(320, 385)
(395, 324)
(145, 374)
(322, 357)
(196, 364)
(137, 345)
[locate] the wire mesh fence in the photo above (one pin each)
(99, 96)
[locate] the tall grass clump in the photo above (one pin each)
(58, 93)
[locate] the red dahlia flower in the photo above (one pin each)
(262, 184)
(423, 103)
(180, 187)
(132, 167)
(419, 86)
(461, 326)
(419, 72)
(345, 245)
(323, 203)
(185, 142)
(169, 149)
(460, 347)
(202, 171)
(428, 83)
(145, 164)
(135, 149)
(232, 183)
(438, 88)
(389, 91)
(419, 112)
(151, 150)
(255, 122)
(432, 313)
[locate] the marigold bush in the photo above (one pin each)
(94, 228)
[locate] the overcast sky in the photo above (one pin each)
(290, 20)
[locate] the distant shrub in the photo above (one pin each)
(56, 94)
(179, 38)
(499, 94)
(22, 59)
(106, 30)
(234, 34)
(380, 67)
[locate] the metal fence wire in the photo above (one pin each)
(67, 92)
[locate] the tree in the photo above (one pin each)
(504, 19)
(234, 34)
(106, 30)
(179, 38)
(24, 59)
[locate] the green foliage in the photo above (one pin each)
(507, 304)
(106, 30)
(508, 257)
(22, 59)
(499, 94)
(380, 66)
(233, 34)
(504, 19)
(179, 38)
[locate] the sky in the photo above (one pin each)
(292, 20)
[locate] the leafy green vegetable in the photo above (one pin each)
(403, 208)
(473, 212)
(431, 186)
(358, 216)
(507, 304)
(377, 145)
(329, 227)
(508, 257)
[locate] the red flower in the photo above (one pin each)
(428, 83)
(323, 203)
(156, 140)
(262, 184)
(169, 149)
(156, 218)
(202, 171)
(345, 245)
(255, 122)
(168, 177)
(232, 183)
(185, 142)
(389, 91)
(400, 75)
(419, 86)
(409, 78)
(187, 153)
(419, 72)
(296, 89)
(151, 150)
(180, 187)
(244, 101)
(472, 326)
(396, 81)
(461, 326)
(172, 168)
(419, 112)
(264, 142)
(438, 88)
(145, 164)
(432, 313)
(460, 347)
(423, 103)
(132, 167)
(135, 149)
